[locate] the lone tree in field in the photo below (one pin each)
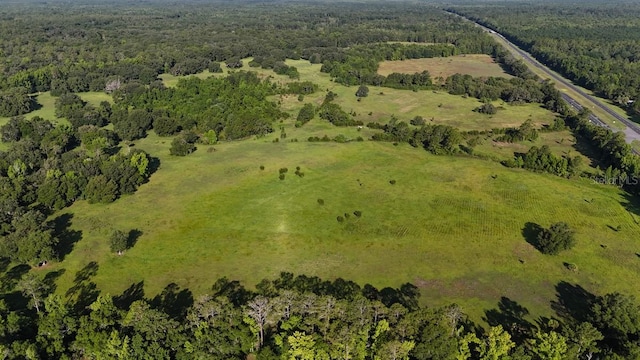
(556, 238)
(118, 241)
(363, 91)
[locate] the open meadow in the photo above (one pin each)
(453, 226)
(476, 65)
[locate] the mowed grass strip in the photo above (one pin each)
(451, 225)
(476, 65)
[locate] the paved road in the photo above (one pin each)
(631, 130)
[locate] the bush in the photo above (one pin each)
(487, 108)
(340, 219)
(261, 167)
(417, 121)
(556, 238)
(357, 213)
(283, 170)
(320, 202)
(118, 241)
(363, 91)
(181, 147)
(392, 182)
(281, 177)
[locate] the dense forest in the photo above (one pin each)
(91, 155)
(594, 44)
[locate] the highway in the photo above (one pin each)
(631, 130)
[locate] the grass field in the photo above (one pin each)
(473, 64)
(451, 225)
(447, 225)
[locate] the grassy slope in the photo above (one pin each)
(473, 64)
(446, 225)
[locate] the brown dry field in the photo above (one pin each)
(474, 65)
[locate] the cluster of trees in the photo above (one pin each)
(437, 139)
(514, 90)
(543, 160)
(334, 114)
(234, 107)
(594, 44)
(47, 168)
(16, 101)
(525, 132)
(301, 317)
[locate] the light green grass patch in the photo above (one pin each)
(451, 225)
(475, 65)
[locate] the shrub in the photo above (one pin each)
(340, 219)
(281, 176)
(363, 91)
(417, 121)
(180, 146)
(571, 266)
(347, 215)
(357, 213)
(392, 182)
(556, 238)
(118, 241)
(486, 108)
(261, 167)
(320, 202)
(283, 170)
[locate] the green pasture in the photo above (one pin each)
(451, 225)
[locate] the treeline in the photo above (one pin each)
(437, 139)
(621, 165)
(595, 45)
(77, 49)
(300, 317)
(234, 107)
(47, 168)
(514, 90)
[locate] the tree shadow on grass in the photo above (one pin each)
(510, 315)
(573, 302)
(173, 301)
(530, 233)
(233, 290)
(51, 277)
(66, 236)
(4, 264)
(84, 291)
(154, 164)
(632, 205)
(133, 237)
(8, 292)
(133, 293)
(12, 276)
